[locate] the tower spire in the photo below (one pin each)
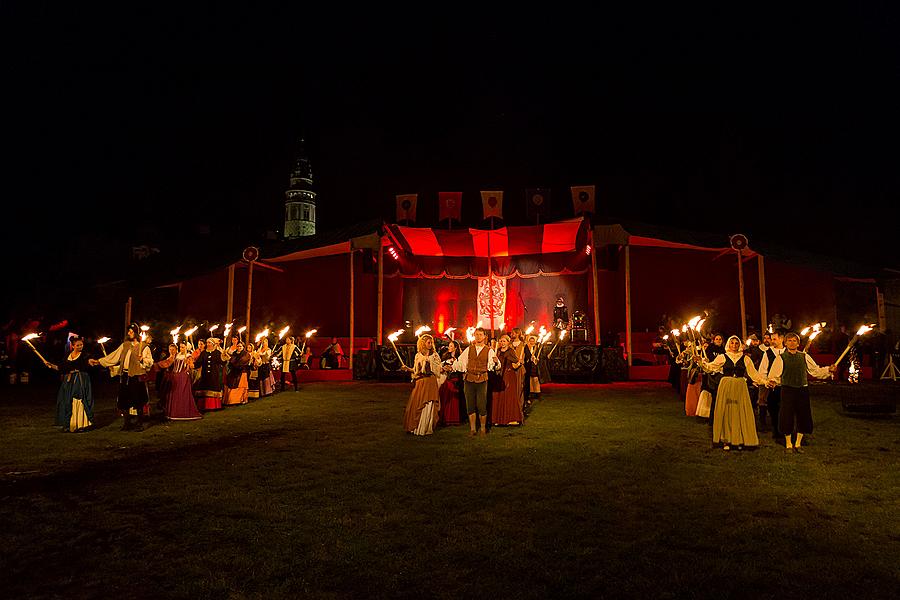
(300, 198)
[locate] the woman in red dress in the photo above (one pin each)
(451, 390)
(506, 408)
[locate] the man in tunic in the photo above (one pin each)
(134, 359)
(475, 361)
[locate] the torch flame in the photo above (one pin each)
(563, 333)
(242, 329)
(312, 332)
(283, 331)
(30, 336)
(175, 331)
(213, 327)
(813, 335)
(422, 330)
(261, 335)
(145, 328)
(700, 324)
(103, 340)
(448, 331)
(684, 328)
(693, 322)
(393, 337)
(470, 334)
(676, 332)
(529, 329)
(864, 330)
(804, 331)
(747, 342)
(191, 331)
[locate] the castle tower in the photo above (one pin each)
(300, 199)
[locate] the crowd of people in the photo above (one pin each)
(735, 385)
(494, 382)
(189, 380)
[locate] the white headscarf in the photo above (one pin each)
(734, 356)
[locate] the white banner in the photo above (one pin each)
(485, 293)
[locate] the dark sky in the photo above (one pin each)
(782, 126)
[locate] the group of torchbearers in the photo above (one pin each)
(727, 382)
(190, 380)
(499, 379)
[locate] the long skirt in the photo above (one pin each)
(253, 383)
(506, 408)
(75, 402)
(237, 395)
(733, 420)
(450, 396)
(691, 397)
(266, 381)
(179, 404)
(422, 410)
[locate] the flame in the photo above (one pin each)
(693, 322)
(312, 332)
(242, 329)
(213, 327)
(103, 340)
(676, 332)
(814, 335)
(804, 331)
(563, 333)
(700, 324)
(143, 337)
(175, 331)
(145, 328)
(771, 328)
(283, 331)
(175, 338)
(502, 325)
(852, 367)
(393, 337)
(684, 328)
(529, 329)
(470, 334)
(261, 335)
(30, 336)
(422, 330)
(448, 331)
(191, 331)
(747, 343)
(864, 330)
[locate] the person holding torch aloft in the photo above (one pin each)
(134, 359)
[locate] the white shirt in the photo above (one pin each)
(111, 360)
(764, 366)
(718, 363)
(811, 367)
(462, 363)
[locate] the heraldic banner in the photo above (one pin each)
(484, 301)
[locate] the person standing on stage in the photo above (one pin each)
(290, 361)
(475, 361)
(135, 359)
(790, 370)
(773, 398)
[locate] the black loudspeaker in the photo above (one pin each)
(363, 364)
(586, 358)
(388, 365)
(613, 364)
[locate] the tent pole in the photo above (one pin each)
(351, 310)
(229, 311)
(491, 279)
(128, 312)
(740, 260)
(628, 303)
(380, 290)
(761, 268)
(596, 295)
(249, 295)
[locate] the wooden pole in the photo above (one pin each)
(380, 291)
(763, 313)
(628, 303)
(596, 295)
(249, 296)
(491, 279)
(229, 311)
(882, 311)
(128, 312)
(352, 324)
(740, 260)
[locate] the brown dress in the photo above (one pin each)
(506, 408)
(423, 408)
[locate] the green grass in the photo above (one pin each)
(606, 491)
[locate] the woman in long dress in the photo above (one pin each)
(423, 407)
(266, 379)
(237, 382)
(450, 391)
(536, 370)
(734, 423)
(75, 399)
(507, 406)
(178, 403)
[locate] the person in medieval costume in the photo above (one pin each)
(476, 361)
(451, 390)
(290, 361)
(75, 399)
(773, 397)
(237, 379)
(178, 403)
(560, 314)
(734, 423)
(790, 371)
(266, 380)
(423, 408)
(208, 389)
(507, 405)
(536, 371)
(134, 359)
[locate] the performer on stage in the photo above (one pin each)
(507, 405)
(236, 381)
(290, 361)
(178, 403)
(135, 359)
(475, 361)
(211, 364)
(790, 370)
(560, 314)
(451, 390)
(734, 423)
(423, 407)
(332, 355)
(75, 399)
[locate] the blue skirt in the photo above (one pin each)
(75, 396)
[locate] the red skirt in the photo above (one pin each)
(450, 397)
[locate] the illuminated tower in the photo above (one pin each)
(300, 199)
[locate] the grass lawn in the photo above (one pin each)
(607, 491)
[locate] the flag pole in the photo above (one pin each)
(491, 279)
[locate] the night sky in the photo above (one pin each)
(136, 127)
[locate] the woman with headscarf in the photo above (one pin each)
(423, 408)
(734, 423)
